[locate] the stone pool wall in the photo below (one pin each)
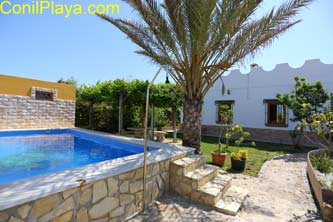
(23, 112)
(115, 198)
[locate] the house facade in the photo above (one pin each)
(31, 104)
(252, 97)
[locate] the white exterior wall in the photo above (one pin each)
(251, 89)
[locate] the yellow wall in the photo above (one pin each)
(22, 87)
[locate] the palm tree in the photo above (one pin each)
(198, 40)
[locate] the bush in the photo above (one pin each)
(244, 154)
(235, 155)
(321, 163)
(241, 154)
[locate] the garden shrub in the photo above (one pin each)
(97, 105)
(321, 163)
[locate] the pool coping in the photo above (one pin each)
(33, 188)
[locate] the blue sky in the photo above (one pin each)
(51, 47)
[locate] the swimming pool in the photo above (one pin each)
(30, 153)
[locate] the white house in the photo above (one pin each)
(252, 97)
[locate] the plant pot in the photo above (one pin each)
(238, 165)
(218, 158)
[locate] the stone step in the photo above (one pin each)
(213, 190)
(201, 176)
(231, 201)
(187, 164)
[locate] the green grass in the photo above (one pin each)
(257, 155)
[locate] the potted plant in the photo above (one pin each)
(218, 156)
(225, 118)
(238, 160)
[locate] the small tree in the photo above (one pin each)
(322, 124)
(306, 98)
(231, 130)
(225, 118)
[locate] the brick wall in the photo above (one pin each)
(22, 112)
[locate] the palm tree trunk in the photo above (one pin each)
(192, 123)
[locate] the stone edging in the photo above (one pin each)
(321, 194)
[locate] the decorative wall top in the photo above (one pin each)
(281, 67)
(12, 85)
(282, 75)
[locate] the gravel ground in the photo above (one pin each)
(280, 193)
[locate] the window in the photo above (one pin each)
(224, 113)
(276, 113)
(41, 95)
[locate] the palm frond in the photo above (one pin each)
(198, 40)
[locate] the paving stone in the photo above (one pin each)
(85, 197)
(127, 176)
(103, 207)
(126, 199)
(14, 219)
(155, 190)
(68, 193)
(3, 216)
(202, 175)
(138, 173)
(101, 220)
(232, 201)
(23, 211)
(136, 186)
(188, 163)
(99, 191)
(64, 218)
(113, 186)
(156, 169)
(44, 205)
(117, 212)
(138, 197)
(82, 215)
(67, 205)
(124, 187)
(130, 210)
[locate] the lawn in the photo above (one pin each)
(257, 155)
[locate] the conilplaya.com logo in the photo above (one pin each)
(7, 7)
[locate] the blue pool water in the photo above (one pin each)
(29, 153)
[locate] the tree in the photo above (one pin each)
(198, 40)
(320, 123)
(89, 96)
(168, 96)
(306, 98)
(70, 81)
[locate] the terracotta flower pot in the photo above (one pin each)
(218, 158)
(238, 165)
